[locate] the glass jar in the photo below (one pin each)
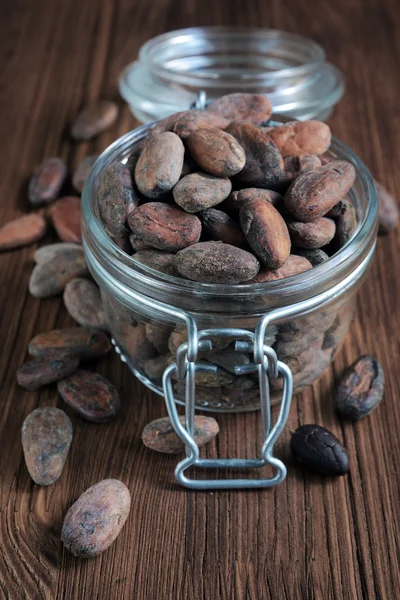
(147, 311)
(174, 67)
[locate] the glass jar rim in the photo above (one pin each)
(149, 52)
(321, 277)
(172, 68)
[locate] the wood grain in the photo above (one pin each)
(308, 539)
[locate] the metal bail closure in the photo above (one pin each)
(201, 101)
(267, 365)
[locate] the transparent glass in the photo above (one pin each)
(147, 339)
(172, 68)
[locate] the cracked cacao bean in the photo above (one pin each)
(319, 449)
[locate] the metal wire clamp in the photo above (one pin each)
(186, 369)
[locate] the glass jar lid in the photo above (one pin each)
(174, 67)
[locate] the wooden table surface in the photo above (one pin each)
(309, 538)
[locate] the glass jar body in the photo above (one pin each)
(141, 304)
(148, 342)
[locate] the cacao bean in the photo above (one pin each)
(155, 367)
(168, 123)
(216, 151)
(237, 199)
(221, 227)
(91, 395)
(66, 217)
(315, 257)
(48, 252)
(83, 302)
(49, 278)
(135, 343)
(294, 166)
(388, 210)
(46, 438)
(22, 231)
(216, 262)
(157, 260)
(311, 235)
(319, 449)
(160, 436)
(82, 342)
(82, 171)
(158, 335)
(264, 163)
(160, 164)
(46, 369)
(192, 120)
(94, 119)
(158, 225)
(292, 266)
(199, 191)
(296, 138)
(314, 193)
(360, 389)
(252, 108)
(346, 224)
(93, 523)
(116, 198)
(47, 181)
(266, 232)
